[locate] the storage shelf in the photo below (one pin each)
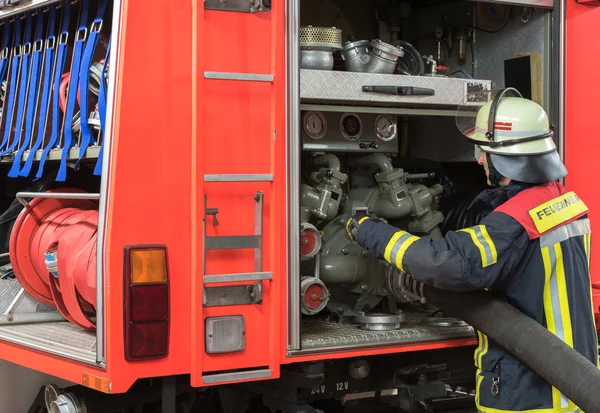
(334, 87)
(60, 338)
(55, 154)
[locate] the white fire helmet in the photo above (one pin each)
(515, 132)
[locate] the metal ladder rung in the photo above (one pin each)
(250, 77)
(247, 276)
(238, 178)
(234, 242)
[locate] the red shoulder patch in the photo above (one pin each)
(543, 207)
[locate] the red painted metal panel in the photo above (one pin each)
(240, 129)
(582, 123)
(150, 182)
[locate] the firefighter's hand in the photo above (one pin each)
(353, 223)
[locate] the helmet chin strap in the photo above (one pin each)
(493, 175)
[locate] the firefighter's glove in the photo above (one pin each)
(353, 223)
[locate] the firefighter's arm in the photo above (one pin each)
(468, 259)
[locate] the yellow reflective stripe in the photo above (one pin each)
(484, 409)
(484, 349)
(490, 243)
(363, 219)
(388, 249)
(587, 245)
(397, 246)
(478, 350)
(556, 306)
(402, 251)
(478, 387)
(482, 240)
(563, 296)
(556, 211)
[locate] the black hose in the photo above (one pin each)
(527, 340)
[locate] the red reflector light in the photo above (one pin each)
(149, 340)
(149, 303)
(146, 306)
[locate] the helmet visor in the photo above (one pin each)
(470, 119)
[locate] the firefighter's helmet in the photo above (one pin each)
(515, 133)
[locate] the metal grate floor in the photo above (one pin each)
(324, 335)
(60, 338)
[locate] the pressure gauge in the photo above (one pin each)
(350, 126)
(385, 128)
(315, 125)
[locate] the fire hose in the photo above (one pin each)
(557, 363)
(53, 254)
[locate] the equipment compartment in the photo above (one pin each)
(45, 145)
(380, 85)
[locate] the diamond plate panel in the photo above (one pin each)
(333, 86)
(9, 289)
(324, 335)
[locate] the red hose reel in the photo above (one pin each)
(66, 229)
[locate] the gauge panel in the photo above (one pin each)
(385, 128)
(314, 124)
(349, 132)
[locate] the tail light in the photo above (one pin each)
(146, 307)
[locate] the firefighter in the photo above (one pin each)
(532, 248)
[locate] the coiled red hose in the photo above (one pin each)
(68, 228)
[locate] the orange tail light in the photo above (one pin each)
(146, 307)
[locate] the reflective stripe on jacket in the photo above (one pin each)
(534, 251)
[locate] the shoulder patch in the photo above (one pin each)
(544, 207)
(557, 211)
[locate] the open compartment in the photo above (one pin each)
(375, 90)
(51, 161)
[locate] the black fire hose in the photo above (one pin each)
(527, 340)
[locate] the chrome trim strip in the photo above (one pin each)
(238, 376)
(293, 150)
(561, 81)
(117, 25)
(249, 77)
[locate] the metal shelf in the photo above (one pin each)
(55, 154)
(345, 88)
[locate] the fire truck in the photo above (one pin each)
(177, 177)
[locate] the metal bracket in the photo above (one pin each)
(55, 195)
(233, 295)
(239, 294)
(240, 6)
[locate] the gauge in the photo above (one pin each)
(350, 126)
(315, 125)
(385, 128)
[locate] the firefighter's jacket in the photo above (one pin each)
(533, 249)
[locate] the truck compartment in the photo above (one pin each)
(47, 145)
(373, 129)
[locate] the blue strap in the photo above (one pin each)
(31, 97)
(5, 50)
(102, 110)
(46, 85)
(72, 96)
(23, 86)
(58, 72)
(16, 59)
(84, 78)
